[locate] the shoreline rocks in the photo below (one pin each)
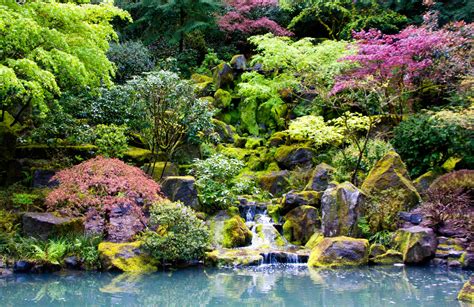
(417, 244)
(339, 251)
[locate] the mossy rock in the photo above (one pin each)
(183, 189)
(230, 117)
(138, 155)
(126, 257)
(290, 157)
(339, 251)
(423, 182)
(376, 250)
(47, 225)
(226, 132)
(274, 211)
(223, 99)
(300, 224)
(293, 200)
(278, 139)
(276, 182)
(158, 168)
(321, 177)
(253, 143)
(222, 75)
(203, 84)
(389, 257)
(233, 258)
(239, 62)
(236, 233)
(315, 239)
(417, 244)
(467, 292)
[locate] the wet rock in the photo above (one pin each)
(275, 182)
(413, 218)
(222, 75)
(454, 264)
(44, 225)
(467, 292)
(126, 257)
(389, 257)
(239, 62)
(233, 257)
(236, 233)
(339, 251)
(295, 199)
(42, 268)
(290, 157)
(340, 206)
(417, 244)
(376, 250)
(300, 224)
(321, 177)
(183, 189)
(467, 260)
(72, 262)
(22, 266)
(44, 179)
(222, 99)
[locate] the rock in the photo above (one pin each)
(292, 200)
(222, 99)
(222, 75)
(389, 257)
(226, 132)
(454, 264)
(236, 233)
(321, 177)
(278, 139)
(413, 218)
(376, 250)
(467, 260)
(203, 84)
(275, 182)
(183, 189)
(339, 251)
(300, 224)
(289, 157)
(42, 268)
(253, 143)
(5, 273)
(233, 257)
(417, 244)
(72, 263)
(389, 182)
(239, 62)
(126, 257)
(423, 182)
(22, 266)
(341, 205)
(45, 225)
(315, 239)
(158, 171)
(467, 292)
(124, 223)
(43, 179)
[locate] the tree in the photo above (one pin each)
(131, 57)
(49, 48)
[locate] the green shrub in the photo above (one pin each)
(52, 252)
(24, 201)
(426, 140)
(111, 140)
(131, 58)
(175, 233)
(9, 222)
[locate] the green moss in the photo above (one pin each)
(274, 212)
(233, 257)
(236, 233)
(233, 211)
(248, 109)
(467, 292)
(450, 164)
(138, 154)
(389, 257)
(223, 99)
(233, 152)
(199, 78)
(315, 239)
(158, 167)
(253, 143)
(324, 253)
(127, 257)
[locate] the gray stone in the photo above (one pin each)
(300, 224)
(321, 177)
(275, 182)
(239, 62)
(44, 225)
(417, 244)
(44, 179)
(183, 189)
(293, 200)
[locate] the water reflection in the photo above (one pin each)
(265, 285)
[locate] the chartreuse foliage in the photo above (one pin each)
(49, 47)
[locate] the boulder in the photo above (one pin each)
(22, 266)
(388, 181)
(236, 233)
(340, 205)
(126, 257)
(321, 177)
(389, 257)
(292, 200)
(467, 292)
(417, 244)
(467, 260)
(300, 224)
(203, 84)
(72, 263)
(339, 251)
(226, 132)
(278, 139)
(222, 99)
(275, 182)
(183, 189)
(44, 179)
(423, 182)
(239, 62)
(222, 75)
(158, 170)
(233, 257)
(376, 250)
(290, 157)
(45, 225)
(315, 239)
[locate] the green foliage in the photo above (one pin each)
(175, 233)
(383, 237)
(345, 160)
(49, 47)
(9, 223)
(210, 61)
(131, 58)
(24, 201)
(111, 140)
(51, 252)
(86, 248)
(426, 140)
(214, 180)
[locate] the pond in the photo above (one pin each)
(266, 285)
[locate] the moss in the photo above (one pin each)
(389, 257)
(74, 226)
(137, 154)
(127, 257)
(158, 167)
(315, 239)
(233, 211)
(423, 182)
(274, 212)
(248, 109)
(376, 250)
(450, 164)
(236, 233)
(237, 153)
(253, 143)
(233, 257)
(199, 78)
(223, 99)
(467, 292)
(338, 252)
(300, 224)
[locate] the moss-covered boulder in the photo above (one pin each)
(322, 175)
(203, 84)
(389, 257)
(315, 239)
(253, 143)
(236, 233)
(161, 169)
(45, 225)
(388, 181)
(300, 224)
(417, 244)
(467, 292)
(423, 182)
(376, 250)
(226, 132)
(183, 189)
(222, 99)
(341, 205)
(233, 257)
(278, 139)
(126, 257)
(290, 157)
(276, 183)
(137, 155)
(239, 62)
(291, 200)
(222, 75)
(339, 251)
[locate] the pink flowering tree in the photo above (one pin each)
(400, 65)
(251, 17)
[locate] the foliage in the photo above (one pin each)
(51, 47)
(383, 237)
(175, 233)
(24, 201)
(102, 184)
(426, 140)
(9, 223)
(86, 248)
(52, 252)
(214, 180)
(336, 19)
(345, 160)
(210, 61)
(111, 140)
(131, 58)
(251, 17)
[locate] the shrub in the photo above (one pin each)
(102, 184)
(131, 58)
(426, 140)
(9, 222)
(175, 233)
(111, 140)
(214, 180)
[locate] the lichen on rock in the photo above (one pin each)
(339, 251)
(126, 257)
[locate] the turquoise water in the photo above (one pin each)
(261, 286)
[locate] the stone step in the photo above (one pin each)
(445, 254)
